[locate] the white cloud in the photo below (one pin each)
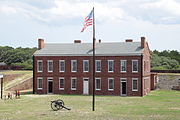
(61, 12)
(170, 6)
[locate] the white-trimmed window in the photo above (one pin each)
(98, 65)
(61, 83)
(110, 65)
(134, 84)
(50, 65)
(73, 83)
(85, 65)
(110, 84)
(73, 65)
(39, 65)
(123, 65)
(134, 65)
(61, 65)
(98, 83)
(39, 83)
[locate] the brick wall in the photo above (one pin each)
(104, 75)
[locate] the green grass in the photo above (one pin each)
(158, 105)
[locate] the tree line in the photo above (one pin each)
(17, 56)
(164, 60)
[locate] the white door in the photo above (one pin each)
(86, 86)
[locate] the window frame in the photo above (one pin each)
(49, 66)
(84, 65)
(60, 78)
(38, 65)
(72, 65)
(134, 79)
(60, 65)
(112, 65)
(121, 61)
(133, 66)
(96, 65)
(38, 88)
(109, 84)
(96, 84)
(75, 83)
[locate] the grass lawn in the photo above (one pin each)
(158, 105)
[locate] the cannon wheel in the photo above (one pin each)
(55, 106)
(61, 103)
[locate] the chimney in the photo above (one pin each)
(143, 42)
(77, 41)
(40, 43)
(99, 40)
(129, 40)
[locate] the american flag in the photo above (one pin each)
(88, 21)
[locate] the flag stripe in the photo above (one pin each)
(88, 21)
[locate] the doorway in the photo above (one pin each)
(123, 87)
(86, 86)
(50, 85)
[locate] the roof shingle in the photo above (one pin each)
(85, 49)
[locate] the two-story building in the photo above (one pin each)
(121, 68)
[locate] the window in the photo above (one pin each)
(98, 65)
(50, 65)
(39, 65)
(85, 65)
(73, 83)
(110, 83)
(110, 65)
(73, 65)
(61, 65)
(61, 83)
(39, 83)
(98, 84)
(123, 65)
(134, 84)
(134, 65)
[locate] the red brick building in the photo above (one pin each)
(121, 68)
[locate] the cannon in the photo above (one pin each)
(58, 105)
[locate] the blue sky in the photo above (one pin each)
(22, 22)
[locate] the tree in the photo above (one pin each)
(164, 60)
(18, 56)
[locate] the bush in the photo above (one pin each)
(24, 65)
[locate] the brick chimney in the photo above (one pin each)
(40, 43)
(77, 41)
(143, 42)
(129, 40)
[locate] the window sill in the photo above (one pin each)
(73, 89)
(134, 71)
(134, 90)
(98, 89)
(110, 89)
(39, 89)
(61, 88)
(123, 71)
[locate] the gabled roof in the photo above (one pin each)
(85, 49)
